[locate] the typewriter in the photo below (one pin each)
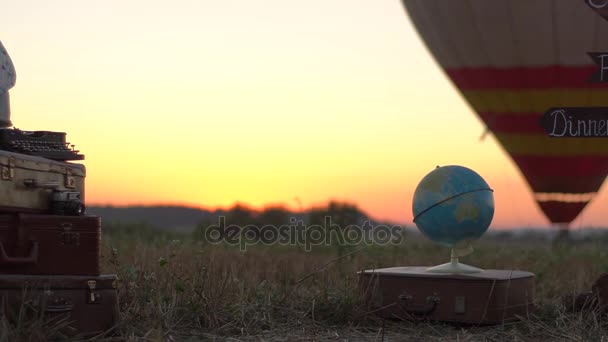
(46, 144)
(50, 145)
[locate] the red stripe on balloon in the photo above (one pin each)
(524, 77)
(564, 166)
(560, 212)
(563, 184)
(563, 174)
(513, 122)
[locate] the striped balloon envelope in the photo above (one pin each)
(513, 60)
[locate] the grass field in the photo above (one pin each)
(178, 288)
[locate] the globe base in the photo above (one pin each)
(454, 266)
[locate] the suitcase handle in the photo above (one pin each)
(59, 308)
(419, 310)
(33, 183)
(32, 258)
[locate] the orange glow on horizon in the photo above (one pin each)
(212, 103)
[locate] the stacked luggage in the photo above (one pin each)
(49, 248)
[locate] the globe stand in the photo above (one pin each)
(454, 266)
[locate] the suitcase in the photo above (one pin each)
(412, 293)
(40, 185)
(596, 299)
(49, 244)
(600, 290)
(88, 304)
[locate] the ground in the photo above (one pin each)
(179, 288)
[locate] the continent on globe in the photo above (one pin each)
(467, 210)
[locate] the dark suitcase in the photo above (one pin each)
(49, 244)
(411, 293)
(597, 298)
(600, 290)
(89, 304)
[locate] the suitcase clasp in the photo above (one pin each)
(68, 237)
(6, 171)
(93, 296)
(69, 180)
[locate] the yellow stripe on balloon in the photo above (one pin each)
(563, 197)
(526, 101)
(540, 144)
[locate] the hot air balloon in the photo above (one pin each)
(512, 60)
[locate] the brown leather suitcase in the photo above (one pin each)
(412, 293)
(49, 244)
(89, 305)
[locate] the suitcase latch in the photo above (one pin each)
(69, 181)
(68, 237)
(459, 305)
(93, 296)
(6, 171)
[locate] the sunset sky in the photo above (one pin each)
(208, 103)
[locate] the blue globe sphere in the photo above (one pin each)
(453, 204)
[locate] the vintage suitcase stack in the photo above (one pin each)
(413, 293)
(49, 248)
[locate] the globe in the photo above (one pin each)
(453, 205)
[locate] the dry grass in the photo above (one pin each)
(189, 291)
